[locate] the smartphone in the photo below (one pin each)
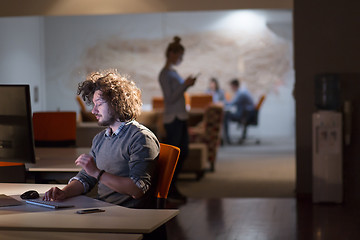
(92, 210)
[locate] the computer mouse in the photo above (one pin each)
(31, 194)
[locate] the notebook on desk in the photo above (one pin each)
(6, 201)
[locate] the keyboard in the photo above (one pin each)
(49, 204)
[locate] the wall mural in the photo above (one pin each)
(262, 61)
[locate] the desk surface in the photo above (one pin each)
(56, 159)
(115, 219)
(20, 235)
(17, 189)
(14, 190)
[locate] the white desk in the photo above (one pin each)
(56, 159)
(115, 219)
(32, 235)
(15, 189)
(55, 163)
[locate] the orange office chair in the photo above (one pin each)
(167, 161)
(157, 102)
(253, 121)
(54, 129)
(81, 103)
(12, 172)
(201, 101)
(260, 102)
(86, 116)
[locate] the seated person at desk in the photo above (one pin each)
(215, 91)
(239, 108)
(123, 156)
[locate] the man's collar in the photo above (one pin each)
(109, 132)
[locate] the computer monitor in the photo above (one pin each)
(16, 131)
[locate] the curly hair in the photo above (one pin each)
(116, 89)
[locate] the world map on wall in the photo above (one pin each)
(262, 62)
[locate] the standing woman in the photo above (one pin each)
(175, 115)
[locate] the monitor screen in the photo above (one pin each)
(16, 132)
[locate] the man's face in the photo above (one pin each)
(102, 110)
(233, 87)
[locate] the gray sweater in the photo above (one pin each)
(132, 153)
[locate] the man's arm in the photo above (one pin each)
(122, 185)
(74, 188)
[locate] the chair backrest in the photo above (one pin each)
(253, 117)
(158, 103)
(86, 115)
(200, 100)
(81, 103)
(260, 102)
(54, 129)
(167, 161)
(213, 122)
(187, 99)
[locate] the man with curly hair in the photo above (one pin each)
(122, 158)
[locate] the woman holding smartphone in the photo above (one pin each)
(175, 116)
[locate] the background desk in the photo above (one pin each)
(55, 164)
(115, 219)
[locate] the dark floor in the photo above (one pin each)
(261, 218)
(264, 219)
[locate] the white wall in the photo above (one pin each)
(69, 41)
(22, 55)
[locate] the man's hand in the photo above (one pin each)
(54, 194)
(88, 164)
